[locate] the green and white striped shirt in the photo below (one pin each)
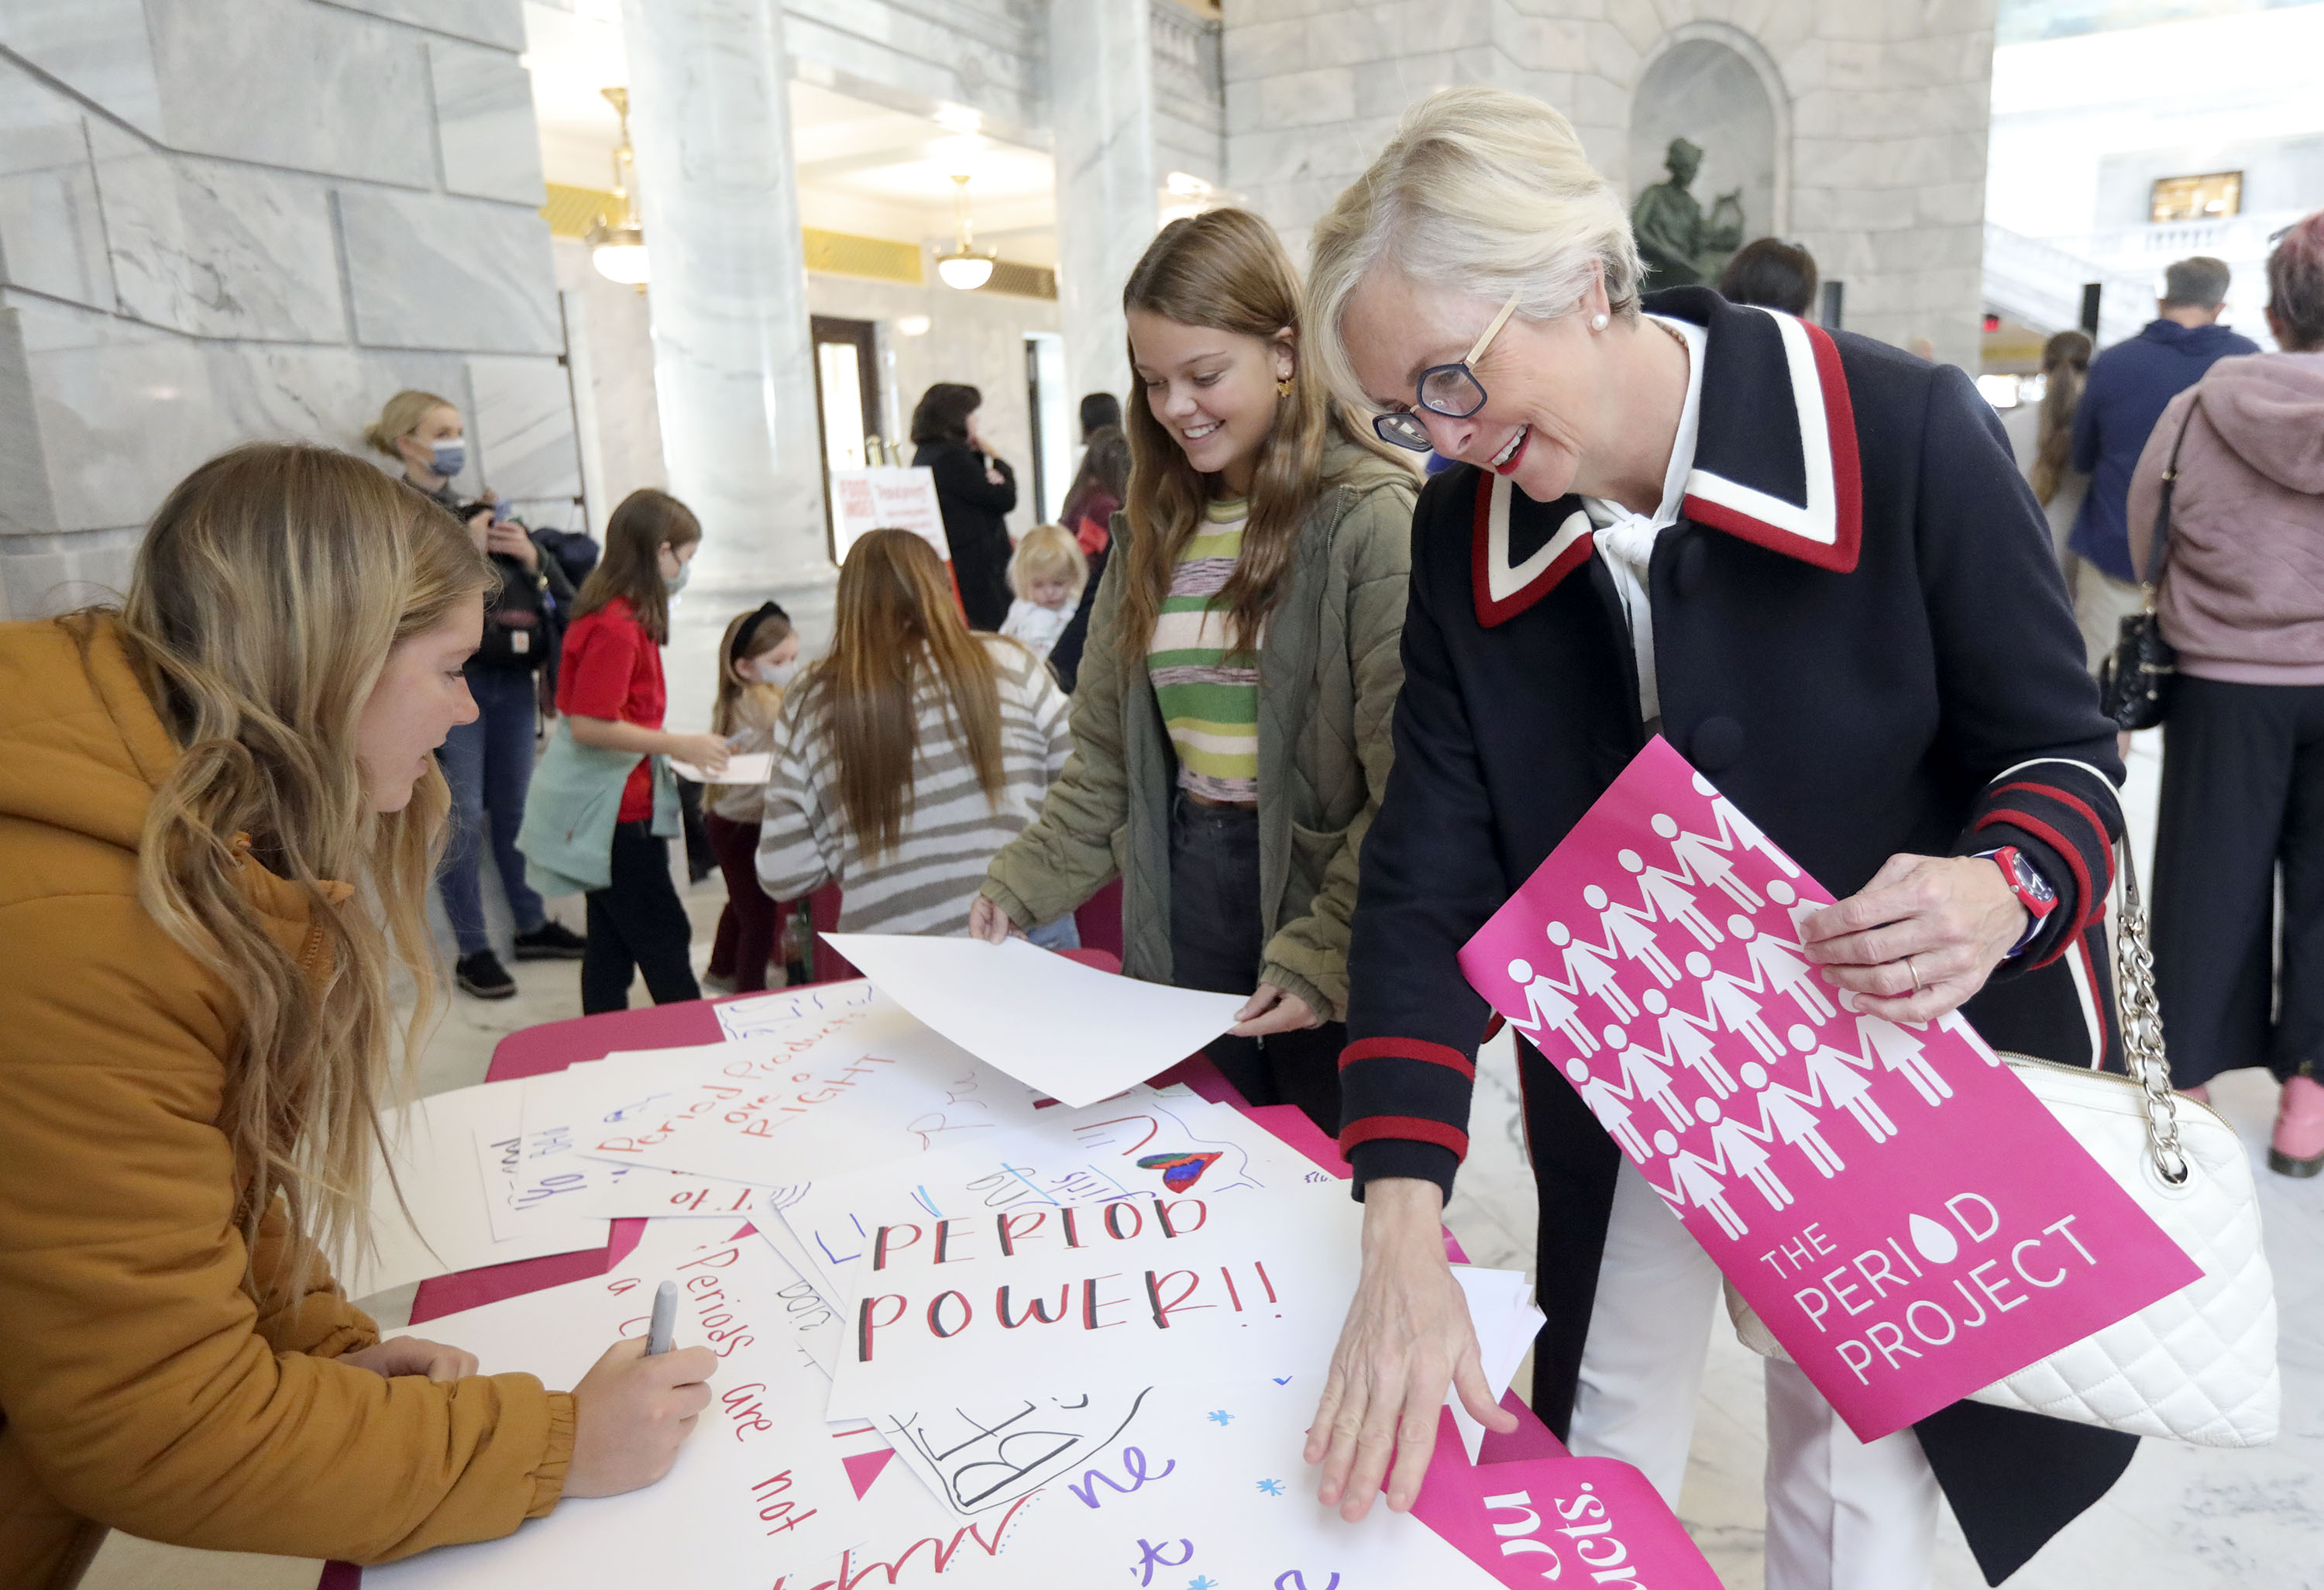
(1209, 698)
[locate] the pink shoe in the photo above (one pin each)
(2298, 1147)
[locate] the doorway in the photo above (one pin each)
(1054, 434)
(846, 399)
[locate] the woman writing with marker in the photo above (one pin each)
(219, 815)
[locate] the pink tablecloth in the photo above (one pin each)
(555, 1045)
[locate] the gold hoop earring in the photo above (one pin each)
(1283, 386)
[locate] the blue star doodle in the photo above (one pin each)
(1271, 1487)
(1220, 1416)
(1201, 1582)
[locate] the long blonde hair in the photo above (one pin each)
(1226, 269)
(271, 586)
(399, 416)
(2065, 368)
(897, 621)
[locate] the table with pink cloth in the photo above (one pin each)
(555, 1045)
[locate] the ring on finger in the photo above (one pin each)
(1916, 974)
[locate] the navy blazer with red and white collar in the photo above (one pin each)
(1861, 631)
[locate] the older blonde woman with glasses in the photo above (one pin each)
(1804, 558)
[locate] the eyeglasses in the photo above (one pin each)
(1453, 391)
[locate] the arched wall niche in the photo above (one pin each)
(1716, 84)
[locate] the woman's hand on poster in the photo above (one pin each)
(403, 1355)
(1271, 1010)
(1408, 1337)
(1920, 938)
(988, 921)
(509, 540)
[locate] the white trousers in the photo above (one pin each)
(1842, 1515)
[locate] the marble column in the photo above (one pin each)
(1101, 106)
(733, 363)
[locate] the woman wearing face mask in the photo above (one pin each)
(1231, 723)
(758, 657)
(1806, 560)
(605, 803)
(488, 762)
(219, 814)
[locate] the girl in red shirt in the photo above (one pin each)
(610, 689)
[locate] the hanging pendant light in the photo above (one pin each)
(617, 247)
(965, 266)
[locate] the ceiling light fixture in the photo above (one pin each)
(964, 267)
(617, 247)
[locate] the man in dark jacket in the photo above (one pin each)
(2129, 385)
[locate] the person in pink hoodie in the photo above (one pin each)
(2242, 599)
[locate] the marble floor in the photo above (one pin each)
(2182, 1518)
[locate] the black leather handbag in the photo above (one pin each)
(2135, 683)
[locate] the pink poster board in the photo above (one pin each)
(1554, 1519)
(1903, 1215)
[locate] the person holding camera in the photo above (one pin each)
(488, 762)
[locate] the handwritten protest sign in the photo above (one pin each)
(1142, 1143)
(1208, 1486)
(1143, 1291)
(776, 1110)
(758, 1486)
(1904, 1215)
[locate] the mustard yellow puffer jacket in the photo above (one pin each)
(142, 1386)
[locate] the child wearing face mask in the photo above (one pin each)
(759, 658)
(1047, 574)
(605, 802)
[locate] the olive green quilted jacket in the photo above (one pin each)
(1330, 668)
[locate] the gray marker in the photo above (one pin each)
(665, 1320)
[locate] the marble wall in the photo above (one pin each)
(210, 235)
(1886, 100)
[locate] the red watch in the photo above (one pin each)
(2031, 888)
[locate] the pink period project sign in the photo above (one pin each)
(1899, 1209)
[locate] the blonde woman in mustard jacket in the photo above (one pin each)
(198, 795)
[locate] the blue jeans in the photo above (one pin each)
(489, 765)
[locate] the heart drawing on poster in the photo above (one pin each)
(1179, 1171)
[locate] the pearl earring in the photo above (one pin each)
(1597, 322)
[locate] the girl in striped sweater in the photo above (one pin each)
(910, 754)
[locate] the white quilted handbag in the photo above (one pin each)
(2198, 1366)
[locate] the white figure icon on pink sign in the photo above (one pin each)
(1648, 1079)
(1687, 1039)
(1899, 1051)
(1744, 1153)
(1798, 910)
(1624, 927)
(1552, 1010)
(1785, 1111)
(1838, 1075)
(1590, 967)
(1737, 1011)
(1695, 1180)
(1705, 860)
(1609, 1103)
(1668, 897)
(1781, 970)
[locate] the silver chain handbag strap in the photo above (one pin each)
(2142, 1023)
